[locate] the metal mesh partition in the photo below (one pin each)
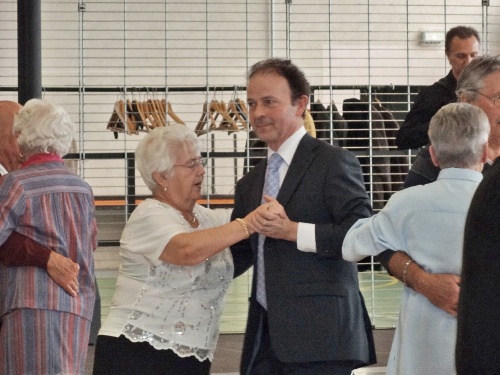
(360, 56)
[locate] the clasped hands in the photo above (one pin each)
(271, 220)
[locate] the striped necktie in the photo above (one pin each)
(271, 188)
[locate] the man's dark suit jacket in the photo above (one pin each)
(315, 309)
(423, 171)
(413, 132)
(478, 321)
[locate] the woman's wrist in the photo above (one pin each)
(244, 225)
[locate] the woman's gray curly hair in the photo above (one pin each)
(159, 149)
(43, 127)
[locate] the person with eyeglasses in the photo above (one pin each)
(461, 47)
(427, 223)
(479, 85)
(478, 317)
(175, 267)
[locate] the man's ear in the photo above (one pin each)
(484, 158)
(302, 105)
(432, 152)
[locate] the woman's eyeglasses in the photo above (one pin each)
(494, 99)
(192, 164)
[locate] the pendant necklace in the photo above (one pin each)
(191, 221)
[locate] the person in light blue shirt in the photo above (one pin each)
(427, 222)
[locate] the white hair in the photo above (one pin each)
(43, 127)
(158, 150)
(458, 133)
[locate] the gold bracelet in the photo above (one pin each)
(244, 225)
(405, 271)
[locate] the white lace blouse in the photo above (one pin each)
(171, 307)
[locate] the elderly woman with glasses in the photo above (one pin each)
(44, 329)
(175, 267)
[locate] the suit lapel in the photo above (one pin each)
(301, 162)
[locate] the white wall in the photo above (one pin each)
(170, 44)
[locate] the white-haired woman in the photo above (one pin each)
(175, 267)
(45, 330)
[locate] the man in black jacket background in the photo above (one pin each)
(461, 46)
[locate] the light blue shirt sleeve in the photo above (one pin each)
(370, 236)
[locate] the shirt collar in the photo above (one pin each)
(42, 158)
(3, 170)
(288, 148)
(461, 174)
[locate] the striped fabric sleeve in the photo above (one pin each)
(20, 250)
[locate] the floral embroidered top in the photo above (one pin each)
(169, 306)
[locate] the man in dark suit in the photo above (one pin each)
(479, 74)
(478, 321)
(479, 84)
(307, 316)
(461, 46)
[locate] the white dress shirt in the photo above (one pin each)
(3, 170)
(306, 237)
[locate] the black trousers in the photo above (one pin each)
(119, 355)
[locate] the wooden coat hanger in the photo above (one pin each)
(140, 118)
(171, 113)
(115, 124)
(133, 126)
(159, 111)
(202, 122)
(148, 113)
(122, 112)
(162, 110)
(227, 122)
(242, 108)
(236, 114)
(153, 113)
(213, 113)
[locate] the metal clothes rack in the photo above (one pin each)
(129, 157)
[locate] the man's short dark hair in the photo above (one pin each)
(296, 79)
(463, 32)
